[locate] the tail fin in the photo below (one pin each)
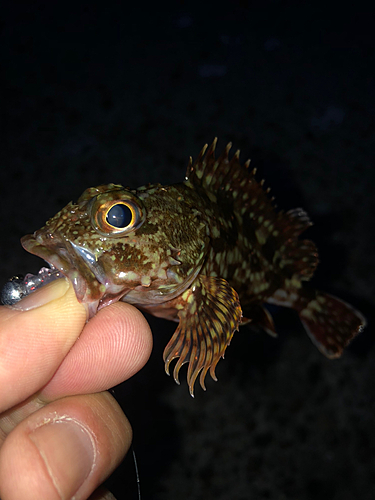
(330, 322)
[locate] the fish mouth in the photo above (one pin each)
(78, 264)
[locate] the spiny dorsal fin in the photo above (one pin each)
(209, 172)
(235, 187)
(227, 177)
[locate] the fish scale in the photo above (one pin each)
(207, 253)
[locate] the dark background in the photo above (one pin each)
(106, 92)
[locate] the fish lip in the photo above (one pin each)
(54, 256)
(61, 254)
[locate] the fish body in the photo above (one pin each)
(207, 253)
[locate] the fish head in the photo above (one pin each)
(141, 246)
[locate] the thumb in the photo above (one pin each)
(35, 336)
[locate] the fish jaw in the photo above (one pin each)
(93, 285)
(72, 263)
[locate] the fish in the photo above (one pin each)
(209, 253)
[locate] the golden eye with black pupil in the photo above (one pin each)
(116, 213)
(120, 216)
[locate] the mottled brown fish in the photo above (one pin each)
(208, 253)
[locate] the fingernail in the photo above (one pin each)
(68, 450)
(45, 294)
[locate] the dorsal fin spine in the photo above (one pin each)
(226, 180)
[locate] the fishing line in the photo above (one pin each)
(136, 473)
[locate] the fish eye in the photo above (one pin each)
(120, 216)
(116, 213)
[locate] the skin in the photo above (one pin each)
(61, 433)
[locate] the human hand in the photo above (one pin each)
(61, 434)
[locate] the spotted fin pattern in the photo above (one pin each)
(209, 313)
(330, 322)
(267, 233)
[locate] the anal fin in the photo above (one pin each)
(260, 317)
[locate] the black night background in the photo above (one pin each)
(99, 92)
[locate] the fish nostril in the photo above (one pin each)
(42, 236)
(39, 237)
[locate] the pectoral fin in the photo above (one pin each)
(209, 313)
